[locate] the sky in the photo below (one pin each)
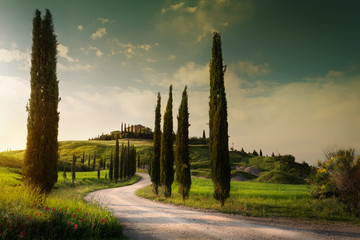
(292, 78)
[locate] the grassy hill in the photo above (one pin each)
(279, 169)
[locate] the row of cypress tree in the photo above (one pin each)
(122, 165)
(162, 169)
(162, 163)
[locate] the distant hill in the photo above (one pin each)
(245, 166)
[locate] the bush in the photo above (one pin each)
(278, 176)
(339, 175)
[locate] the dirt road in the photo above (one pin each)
(145, 219)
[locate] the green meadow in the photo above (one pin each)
(259, 200)
(63, 214)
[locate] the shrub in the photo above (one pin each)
(278, 176)
(339, 175)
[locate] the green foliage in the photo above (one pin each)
(155, 160)
(278, 176)
(182, 148)
(339, 176)
(245, 175)
(40, 165)
(167, 151)
(218, 125)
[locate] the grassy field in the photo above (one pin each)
(61, 215)
(260, 200)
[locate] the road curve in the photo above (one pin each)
(145, 219)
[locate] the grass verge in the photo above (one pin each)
(259, 200)
(63, 214)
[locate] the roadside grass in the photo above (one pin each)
(63, 214)
(259, 200)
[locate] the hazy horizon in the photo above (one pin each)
(292, 79)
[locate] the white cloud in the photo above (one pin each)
(173, 7)
(22, 60)
(129, 49)
(80, 28)
(63, 52)
(147, 69)
(100, 32)
(8, 56)
(251, 69)
(105, 20)
(74, 67)
(14, 94)
(171, 57)
(195, 22)
(150, 60)
(190, 74)
(98, 53)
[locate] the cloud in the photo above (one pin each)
(14, 94)
(334, 74)
(8, 56)
(129, 49)
(193, 22)
(63, 52)
(21, 59)
(150, 60)
(75, 67)
(173, 7)
(98, 53)
(80, 28)
(191, 74)
(95, 102)
(105, 20)
(100, 32)
(171, 57)
(251, 69)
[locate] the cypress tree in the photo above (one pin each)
(182, 148)
(83, 158)
(122, 161)
(41, 155)
(94, 162)
(73, 169)
(89, 160)
(64, 172)
(204, 136)
(111, 170)
(155, 161)
(261, 154)
(167, 150)
(116, 161)
(218, 125)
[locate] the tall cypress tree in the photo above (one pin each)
(41, 155)
(218, 125)
(116, 161)
(155, 161)
(167, 150)
(182, 148)
(111, 168)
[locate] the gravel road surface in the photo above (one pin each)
(145, 219)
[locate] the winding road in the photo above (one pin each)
(145, 219)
